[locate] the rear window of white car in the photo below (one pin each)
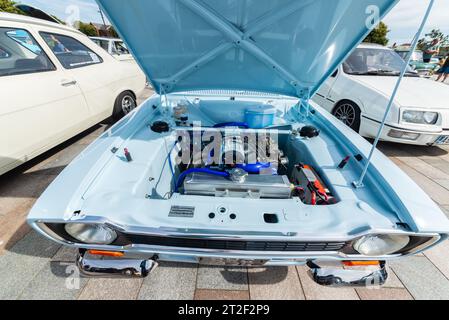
(102, 43)
(70, 52)
(21, 54)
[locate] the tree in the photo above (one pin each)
(113, 33)
(378, 35)
(432, 35)
(88, 29)
(8, 6)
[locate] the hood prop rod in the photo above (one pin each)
(359, 183)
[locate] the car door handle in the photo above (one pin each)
(68, 83)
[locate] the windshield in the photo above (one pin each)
(416, 56)
(375, 61)
(120, 48)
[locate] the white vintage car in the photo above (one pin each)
(55, 83)
(231, 164)
(116, 47)
(359, 91)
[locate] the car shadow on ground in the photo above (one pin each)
(393, 149)
(31, 170)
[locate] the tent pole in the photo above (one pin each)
(359, 183)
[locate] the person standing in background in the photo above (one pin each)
(429, 49)
(444, 70)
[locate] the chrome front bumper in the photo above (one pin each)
(354, 278)
(94, 266)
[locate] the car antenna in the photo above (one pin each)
(359, 183)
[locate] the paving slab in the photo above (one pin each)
(57, 162)
(278, 283)
(313, 291)
(423, 167)
(111, 289)
(439, 256)
(222, 278)
(56, 281)
(205, 294)
(421, 278)
(148, 92)
(65, 254)
(27, 258)
(433, 189)
(438, 163)
(97, 131)
(384, 294)
(17, 196)
(393, 281)
(170, 281)
(443, 182)
(13, 228)
(21, 190)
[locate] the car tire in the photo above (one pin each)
(124, 104)
(349, 113)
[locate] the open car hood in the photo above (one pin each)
(287, 47)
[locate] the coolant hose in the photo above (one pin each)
(254, 168)
(183, 175)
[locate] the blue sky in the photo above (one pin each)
(403, 20)
(88, 9)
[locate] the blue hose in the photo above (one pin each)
(183, 175)
(256, 168)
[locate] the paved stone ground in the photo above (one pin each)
(32, 267)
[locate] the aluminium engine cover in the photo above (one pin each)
(254, 186)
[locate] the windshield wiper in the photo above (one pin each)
(381, 72)
(384, 72)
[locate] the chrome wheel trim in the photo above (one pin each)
(346, 113)
(128, 104)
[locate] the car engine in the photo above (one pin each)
(240, 165)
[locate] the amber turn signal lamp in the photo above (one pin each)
(106, 253)
(360, 263)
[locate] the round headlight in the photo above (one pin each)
(381, 245)
(91, 233)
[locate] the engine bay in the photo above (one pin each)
(240, 160)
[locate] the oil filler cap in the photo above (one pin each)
(309, 132)
(160, 127)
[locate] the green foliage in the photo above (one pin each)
(8, 6)
(113, 33)
(88, 29)
(378, 35)
(432, 35)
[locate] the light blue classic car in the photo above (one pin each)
(231, 164)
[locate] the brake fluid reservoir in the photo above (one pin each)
(180, 111)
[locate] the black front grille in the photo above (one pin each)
(127, 239)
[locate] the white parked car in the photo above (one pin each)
(359, 90)
(114, 46)
(54, 84)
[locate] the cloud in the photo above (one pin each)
(405, 18)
